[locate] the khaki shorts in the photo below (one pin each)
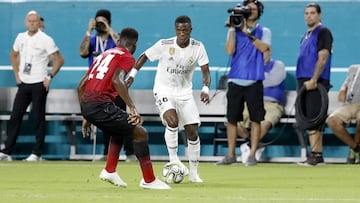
(347, 112)
(273, 113)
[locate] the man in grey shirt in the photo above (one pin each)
(337, 121)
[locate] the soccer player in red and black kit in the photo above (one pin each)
(97, 91)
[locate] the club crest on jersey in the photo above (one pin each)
(171, 50)
(191, 59)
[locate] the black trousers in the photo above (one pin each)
(36, 95)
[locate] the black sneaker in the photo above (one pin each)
(314, 159)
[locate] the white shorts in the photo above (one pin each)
(185, 107)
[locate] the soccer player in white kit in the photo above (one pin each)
(178, 57)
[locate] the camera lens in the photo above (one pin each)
(100, 26)
(236, 20)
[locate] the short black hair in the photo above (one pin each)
(183, 19)
(315, 5)
(128, 35)
(104, 13)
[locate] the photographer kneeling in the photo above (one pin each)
(249, 44)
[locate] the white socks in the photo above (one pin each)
(194, 154)
(171, 139)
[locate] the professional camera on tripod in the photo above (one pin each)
(238, 14)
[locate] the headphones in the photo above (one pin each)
(259, 5)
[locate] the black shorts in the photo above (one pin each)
(253, 95)
(108, 117)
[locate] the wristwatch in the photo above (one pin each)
(49, 76)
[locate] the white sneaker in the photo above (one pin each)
(194, 178)
(33, 157)
(245, 152)
(155, 185)
(112, 178)
(259, 152)
(5, 157)
(186, 170)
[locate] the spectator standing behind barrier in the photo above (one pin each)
(313, 69)
(274, 100)
(29, 58)
(92, 45)
(337, 121)
(177, 58)
(247, 46)
(97, 90)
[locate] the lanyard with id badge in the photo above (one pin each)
(100, 44)
(28, 65)
(29, 44)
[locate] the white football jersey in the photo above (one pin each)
(176, 65)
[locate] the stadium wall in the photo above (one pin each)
(66, 21)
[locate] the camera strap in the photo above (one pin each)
(100, 44)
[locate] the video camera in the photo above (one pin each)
(238, 14)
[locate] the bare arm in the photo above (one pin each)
(139, 63)
(85, 43)
(204, 96)
(80, 87)
(121, 88)
(114, 35)
(261, 46)
(84, 47)
(14, 58)
(342, 95)
(323, 56)
(230, 42)
(57, 61)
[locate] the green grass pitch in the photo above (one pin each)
(77, 181)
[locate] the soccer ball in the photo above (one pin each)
(173, 173)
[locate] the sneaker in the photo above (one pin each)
(245, 152)
(130, 158)
(227, 160)
(155, 185)
(314, 159)
(251, 161)
(194, 178)
(259, 152)
(186, 170)
(112, 178)
(33, 157)
(351, 157)
(5, 157)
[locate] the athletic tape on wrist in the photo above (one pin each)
(205, 89)
(133, 73)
